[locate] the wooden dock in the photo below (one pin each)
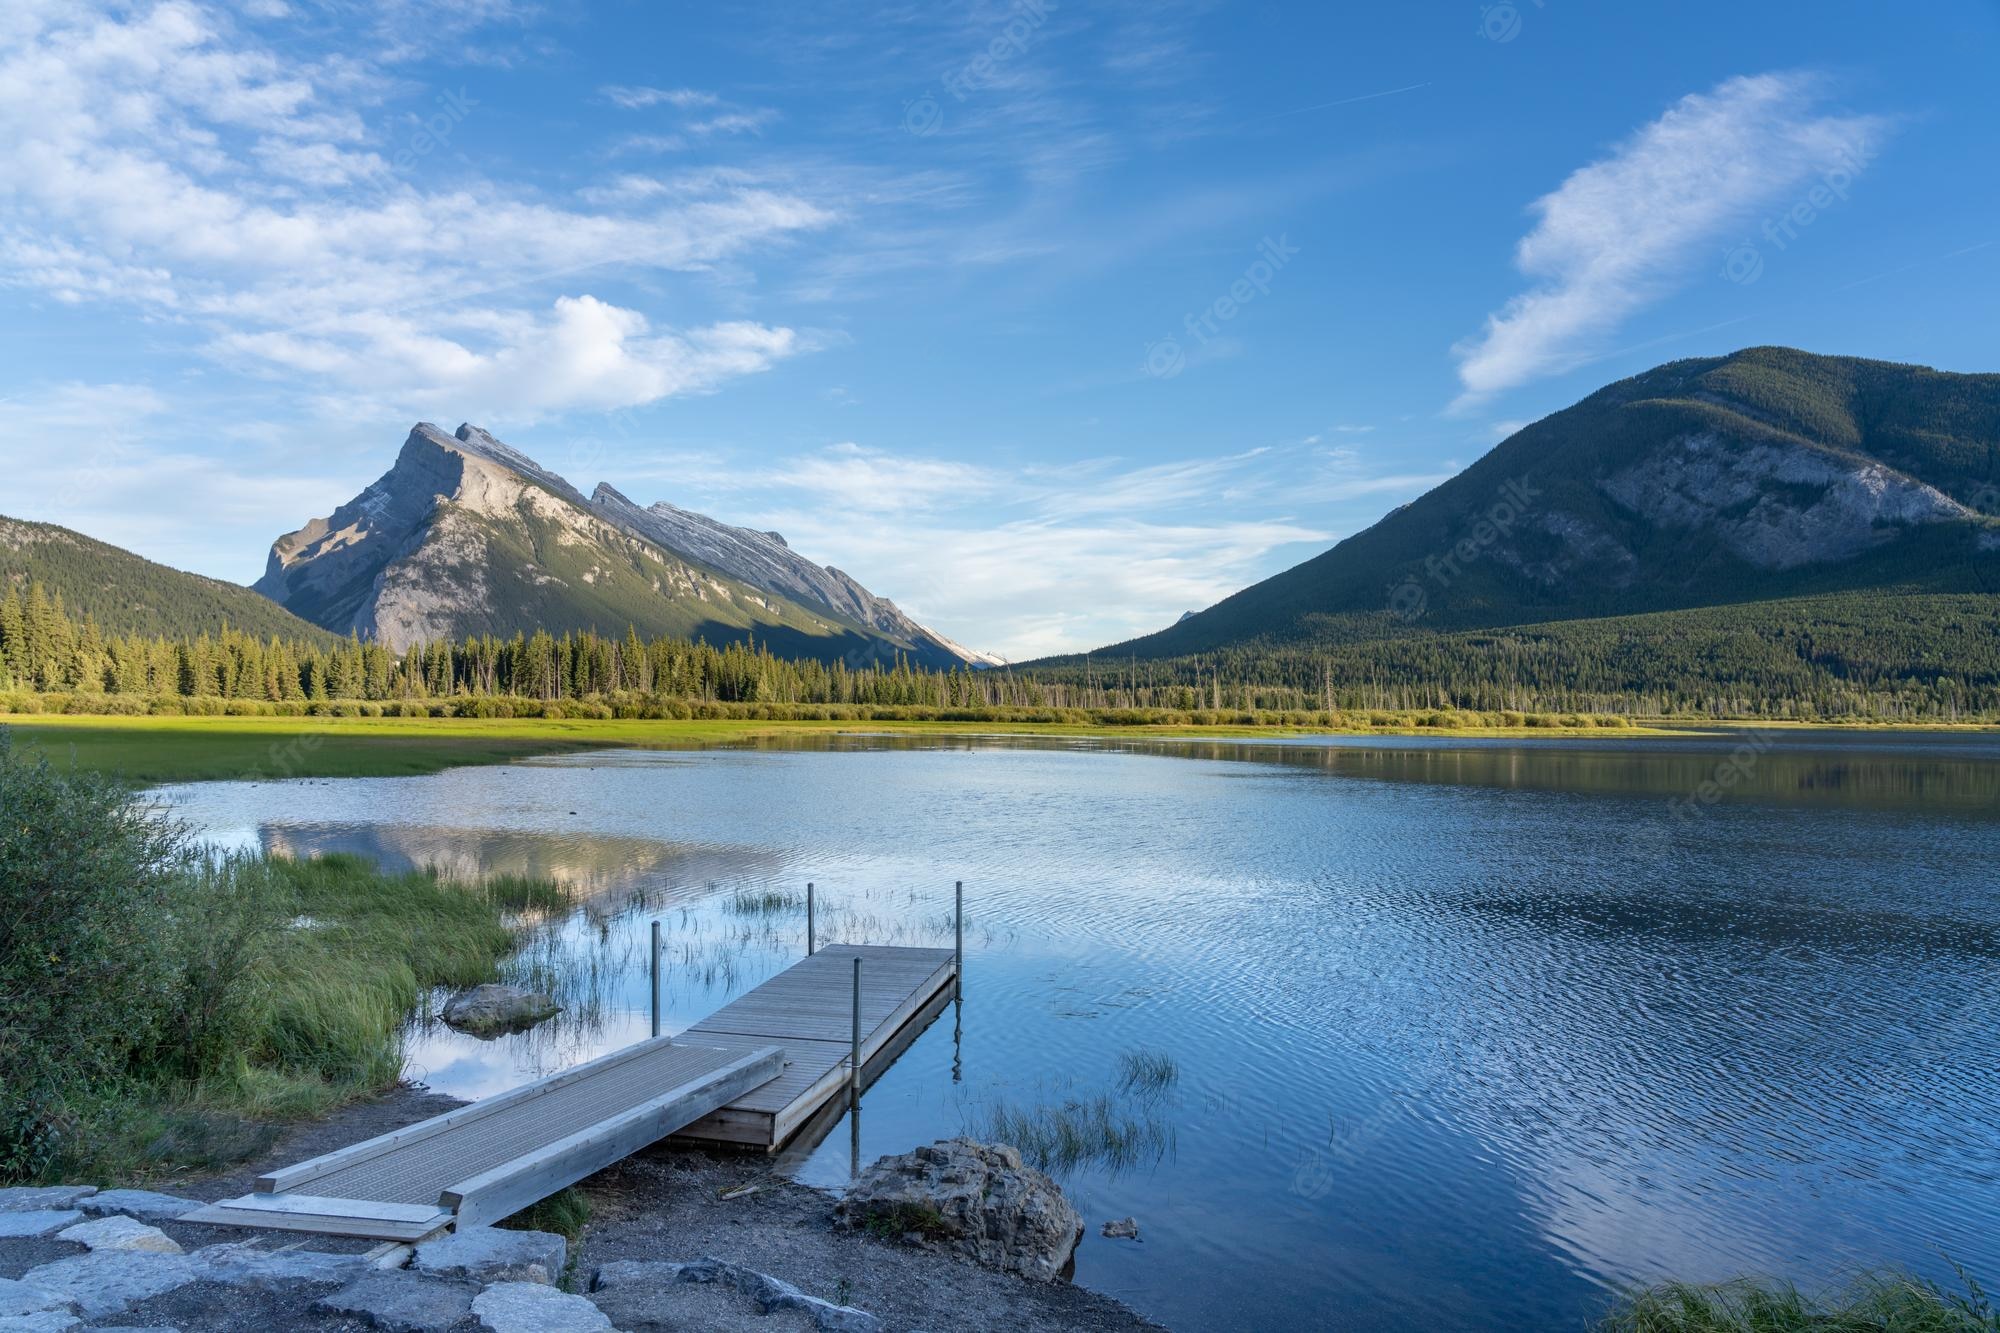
(753, 1074)
(806, 1010)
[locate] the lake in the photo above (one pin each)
(1463, 1033)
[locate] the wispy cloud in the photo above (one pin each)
(1033, 560)
(1622, 232)
(161, 159)
(636, 98)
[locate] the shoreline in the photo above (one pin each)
(151, 750)
(665, 1204)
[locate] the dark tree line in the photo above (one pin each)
(1893, 658)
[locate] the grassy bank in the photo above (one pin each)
(1879, 1303)
(167, 1003)
(186, 749)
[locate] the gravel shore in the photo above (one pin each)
(659, 1206)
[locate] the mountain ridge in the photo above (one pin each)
(125, 593)
(765, 560)
(1767, 473)
(466, 535)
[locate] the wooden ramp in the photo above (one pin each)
(751, 1074)
(808, 1010)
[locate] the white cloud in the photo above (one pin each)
(90, 457)
(985, 553)
(1621, 232)
(585, 353)
(1114, 579)
(851, 479)
(636, 99)
(157, 158)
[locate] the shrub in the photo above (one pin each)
(227, 911)
(84, 872)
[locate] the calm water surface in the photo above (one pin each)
(1467, 1033)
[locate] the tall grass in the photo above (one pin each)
(1877, 1303)
(1061, 1137)
(764, 902)
(163, 998)
(1147, 1072)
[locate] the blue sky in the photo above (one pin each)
(1050, 321)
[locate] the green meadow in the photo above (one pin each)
(149, 749)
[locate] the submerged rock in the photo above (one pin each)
(1122, 1228)
(493, 1010)
(975, 1199)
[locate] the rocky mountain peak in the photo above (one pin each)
(467, 534)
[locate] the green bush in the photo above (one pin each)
(156, 993)
(85, 872)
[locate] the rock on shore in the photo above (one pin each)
(975, 1199)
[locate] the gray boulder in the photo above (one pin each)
(45, 1321)
(535, 1307)
(33, 1223)
(107, 1283)
(25, 1298)
(119, 1232)
(37, 1198)
(494, 1010)
(636, 1292)
(975, 1199)
(492, 1254)
(242, 1265)
(402, 1302)
(146, 1205)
